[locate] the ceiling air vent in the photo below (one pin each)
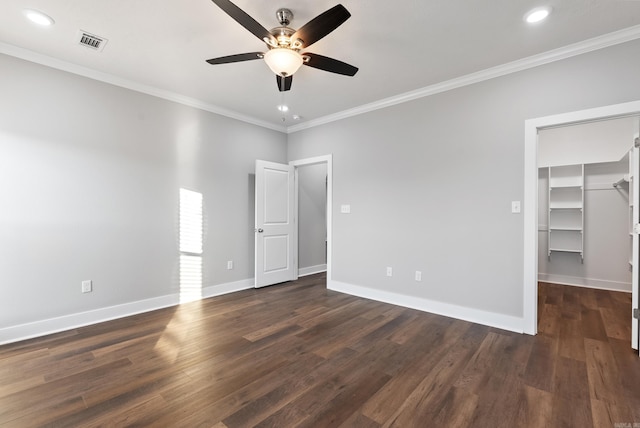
(91, 40)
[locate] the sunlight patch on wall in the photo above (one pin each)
(190, 243)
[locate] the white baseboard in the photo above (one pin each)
(54, 325)
(492, 319)
(311, 270)
(577, 281)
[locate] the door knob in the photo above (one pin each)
(259, 230)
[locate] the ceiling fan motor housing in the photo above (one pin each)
(285, 16)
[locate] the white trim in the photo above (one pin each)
(576, 281)
(585, 46)
(565, 52)
(305, 271)
(54, 325)
(530, 207)
(329, 160)
(492, 319)
(112, 79)
(226, 288)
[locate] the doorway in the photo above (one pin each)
(276, 224)
(532, 127)
(322, 169)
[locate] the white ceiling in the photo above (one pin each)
(160, 46)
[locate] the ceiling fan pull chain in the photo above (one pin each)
(283, 108)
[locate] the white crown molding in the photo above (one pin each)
(589, 45)
(58, 64)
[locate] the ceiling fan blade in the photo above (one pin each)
(329, 64)
(284, 83)
(321, 25)
(245, 20)
(236, 58)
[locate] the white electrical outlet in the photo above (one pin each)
(418, 275)
(515, 207)
(87, 286)
(389, 271)
(230, 264)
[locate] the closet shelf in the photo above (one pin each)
(569, 229)
(566, 207)
(566, 213)
(568, 186)
(566, 250)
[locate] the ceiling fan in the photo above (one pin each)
(285, 44)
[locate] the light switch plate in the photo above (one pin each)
(345, 209)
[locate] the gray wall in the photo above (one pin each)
(90, 175)
(430, 182)
(596, 142)
(312, 209)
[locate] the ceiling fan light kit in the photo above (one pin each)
(283, 61)
(284, 43)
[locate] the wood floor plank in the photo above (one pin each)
(535, 408)
(495, 408)
(592, 325)
(297, 380)
(541, 366)
(602, 369)
(456, 409)
(567, 413)
(550, 320)
(571, 380)
(588, 298)
(479, 366)
(627, 360)
(34, 400)
(337, 410)
(571, 340)
(422, 403)
(382, 406)
(357, 419)
(605, 414)
(616, 323)
(571, 303)
(298, 354)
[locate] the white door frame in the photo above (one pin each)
(328, 159)
(530, 209)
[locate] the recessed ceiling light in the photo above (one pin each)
(283, 108)
(538, 14)
(38, 17)
(297, 117)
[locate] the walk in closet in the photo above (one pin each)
(584, 204)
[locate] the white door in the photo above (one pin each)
(635, 252)
(274, 224)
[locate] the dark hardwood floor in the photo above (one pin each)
(300, 355)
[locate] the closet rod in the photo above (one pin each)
(624, 179)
